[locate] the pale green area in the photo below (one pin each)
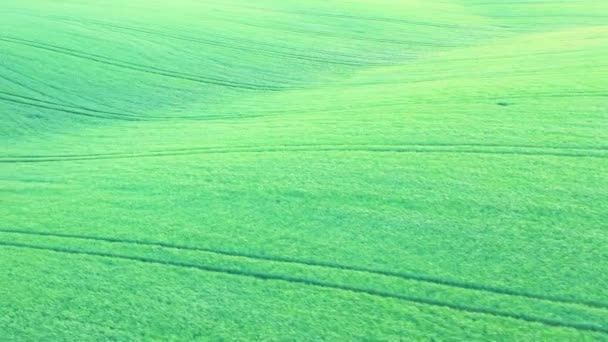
(303, 170)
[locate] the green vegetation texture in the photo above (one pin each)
(303, 170)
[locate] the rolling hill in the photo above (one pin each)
(303, 170)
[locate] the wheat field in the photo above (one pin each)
(303, 170)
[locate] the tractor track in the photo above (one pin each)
(320, 284)
(414, 148)
(328, 265)
(139, 67)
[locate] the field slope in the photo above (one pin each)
(303, 170)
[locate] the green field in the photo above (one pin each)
(303, 170)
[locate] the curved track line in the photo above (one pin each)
(70, 111)
(287, 260)
(66, 108)
(333, 35)
(138, 67)
(307, 149)
(66, 105)
(287, 146)
(174, 32)
(209, 42)
(324, 285)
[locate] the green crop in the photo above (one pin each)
(303, 170)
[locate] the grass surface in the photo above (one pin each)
(303, 170)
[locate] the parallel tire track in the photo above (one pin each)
(85, 111)
(294, 261)
(68, 105)
(33, 102)
(448, 149)
(333, 35)
(210, 42)
(65, 110)
(139, 67)
(322, 284)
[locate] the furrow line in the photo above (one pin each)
(71, 111)
(65, 105)
(294, 261)
(295, 146)
(323, 285)
(301, 150)
(327, 34)
(209, 42)
(138, 67)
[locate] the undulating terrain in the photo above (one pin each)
(303, 170)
